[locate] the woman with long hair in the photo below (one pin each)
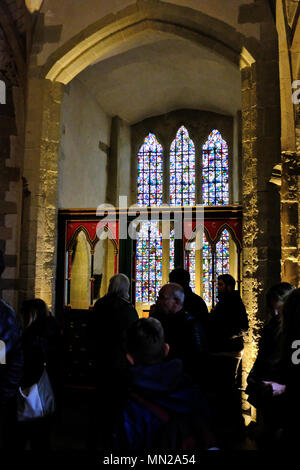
(41, 343)
(266, 381)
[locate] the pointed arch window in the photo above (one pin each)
(215, 170)
(207, 257)
(182, 169)
(172, 250)
(190, 264)
(148, 262)
(222, 254)
(212, 260)
(150, 172)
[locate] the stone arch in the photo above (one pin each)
(140, 25)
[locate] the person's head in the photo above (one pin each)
(2, 265)
(180, 276)
(276, 296)
(145, 342)
(34, 311)
(170, 298)
(226, 284)
(119, 286)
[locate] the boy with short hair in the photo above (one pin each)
(165, 410)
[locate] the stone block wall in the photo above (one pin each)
(39, 222)
(11, 157)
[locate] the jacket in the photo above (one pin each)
(195, 306)
(165, 411)
(11, 372)
(227, 321)
(42, 344)
(107, 324)
(186, 338)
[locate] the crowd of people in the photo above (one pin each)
(170, 381)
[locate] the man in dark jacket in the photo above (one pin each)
(165, 410)
(11, 368)
(228, 321)
(111, 316)
(193, 303)
(183, 332)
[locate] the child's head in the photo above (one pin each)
(145, 342)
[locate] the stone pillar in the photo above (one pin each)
(39, 234)
(290, 217)
(251, 284)
(261, 204)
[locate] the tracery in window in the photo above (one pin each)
(222, 254)
(207, 259)
(182, 186)
(182, 169)
(172, 250)
(150, 172)
(148, 262)
(215, 170)
(190, 264)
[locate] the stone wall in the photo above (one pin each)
(13, 20)
(38, 244)
(85, 140)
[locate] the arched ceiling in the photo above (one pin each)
(163, 74)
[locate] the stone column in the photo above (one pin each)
(261, 205)
(290, 217)
(250, 210)
(39, 234)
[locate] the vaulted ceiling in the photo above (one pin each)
(161, 75)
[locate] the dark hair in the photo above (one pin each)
(278, 293)
(34, 311)
(180, 276)
(145, 341)
(227, 279)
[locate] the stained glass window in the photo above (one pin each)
(190, 264)
(182, 169)
(150, 172)
(148, 262)
(222, 254)
(207, 271)
(172, 250)
(215, 170)
(215, 190)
